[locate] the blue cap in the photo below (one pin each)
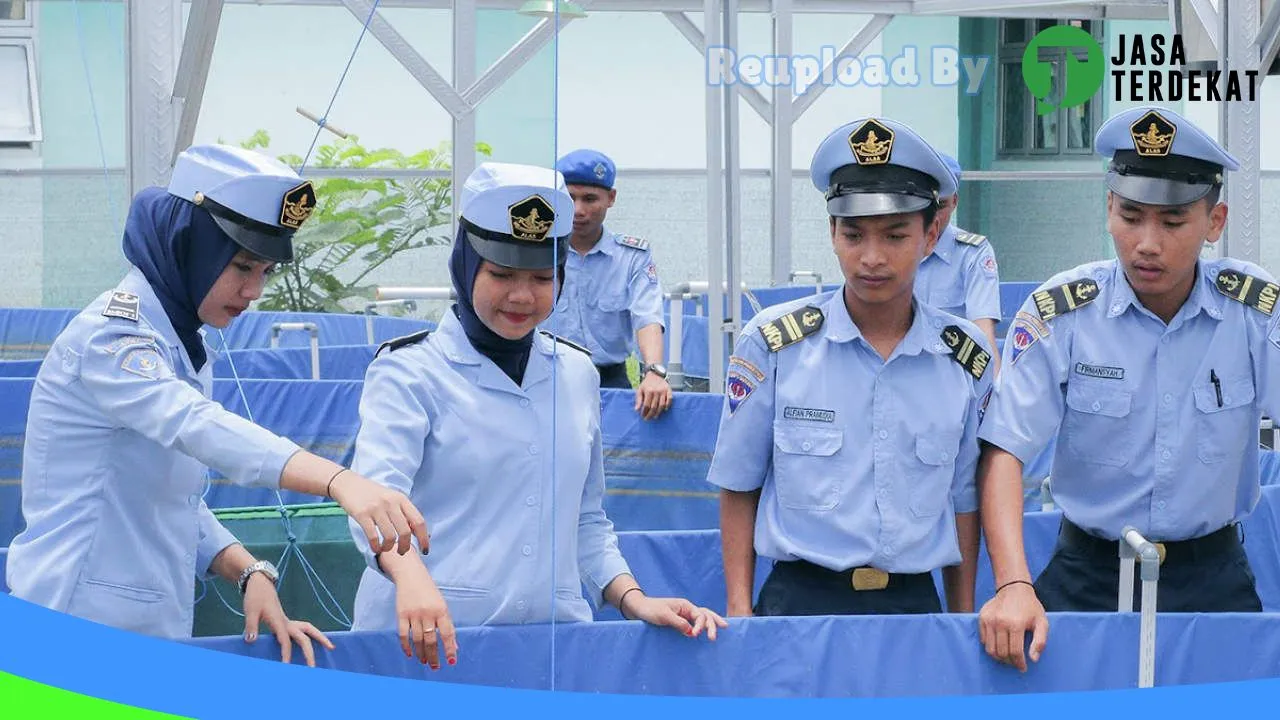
(953, 165)
(875, 166)
(1159, 157)
(517, 216)
(588, 167)
(255, 199)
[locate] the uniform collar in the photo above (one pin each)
(1201, 299)
(925, 326)
(149, 307)
(452, 341)
(607, 244)
(946, 245)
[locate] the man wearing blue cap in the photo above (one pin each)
(611, 301)
(1152, 370)
(848, 438)
(960, 275)
(121, 429)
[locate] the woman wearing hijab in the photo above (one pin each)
(493, 430)
(121, 427)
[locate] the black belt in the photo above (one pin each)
(862, 578)
(1213, 545)
(614, 367)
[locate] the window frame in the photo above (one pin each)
(1010, 53)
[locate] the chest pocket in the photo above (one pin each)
(606, 303)
(1097, 424)
(806, 466)
(1219, 428)
(932, 472)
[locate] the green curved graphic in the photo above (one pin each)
(21, 699)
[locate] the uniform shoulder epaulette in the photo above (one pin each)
(570, 343)
(632, 241)
(122, 305)
(1253, 291)
(792, 327)
(397, 343)
(970, 238)
(966, 351)
(1064, 298)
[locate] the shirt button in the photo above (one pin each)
(522, 604)
(524, 402)
(1097, 407)
(1160, 504)
(884, 434)
(888, 550)
(194, 500)
(946, 456)
(1168, 398)
(526, 550)
(533, 449)
(1165, 455)
(530, 501)
(835, 488)
(806, 445)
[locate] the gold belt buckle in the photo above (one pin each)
(1160, 551)
(868, 578)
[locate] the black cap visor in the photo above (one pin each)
(266, 241)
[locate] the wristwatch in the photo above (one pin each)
(261, 566)
(656, 368)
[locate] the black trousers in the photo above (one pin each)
(1207, 574)
(614, 376)
(802, 588)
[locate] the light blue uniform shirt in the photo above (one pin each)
(609, 294)
(119, 434)
(482, 460)
(1144, 440)
(862, 461)
(961, 278)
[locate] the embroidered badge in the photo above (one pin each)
(742, 363)
(143, 362)
(989, 264)
(122, 305)
(1065, 298)
(120, 343)
(652, 273)
(1100, 371)
(792, 327)
(812, 414)
(737, 389)
(1243, 288)
(1027, 331)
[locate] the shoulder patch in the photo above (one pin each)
(397, 343)
(122, 305)
(632, 242)
(966, 351)
(125, 341)
(570, 343)
(1252, 291)
(970, 238)
(792, 327)
(1063, 299)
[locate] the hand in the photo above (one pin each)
(379, 509)
(262, 605)
(676, 613)
(1004, 620)
(653, 396)
(423, 619)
